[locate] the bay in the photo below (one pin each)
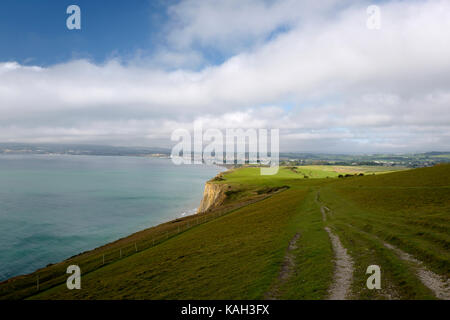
(56, 206)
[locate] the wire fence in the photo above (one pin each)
(53, 275)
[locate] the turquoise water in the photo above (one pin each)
(52, 207)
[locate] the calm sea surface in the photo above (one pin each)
(53, 207)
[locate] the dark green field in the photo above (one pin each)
(268, 240)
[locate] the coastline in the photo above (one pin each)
(187, 218)
(87, 202)
(135, 246)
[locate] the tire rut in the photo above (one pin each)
(286, 271)
(436, 283)
(343, 274)
(433, 281)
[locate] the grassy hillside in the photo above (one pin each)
(246, 249)
(410, 210)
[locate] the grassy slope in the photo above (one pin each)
(234, 256)
(238, 256)
(228, 258)
(410, 210)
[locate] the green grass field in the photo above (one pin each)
(239, 250)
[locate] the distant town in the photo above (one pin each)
(410, 160)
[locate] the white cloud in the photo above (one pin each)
(231, 25)
(328, 82)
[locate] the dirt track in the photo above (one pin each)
(343, 274)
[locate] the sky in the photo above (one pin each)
(140, 69)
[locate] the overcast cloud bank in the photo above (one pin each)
(316, 72)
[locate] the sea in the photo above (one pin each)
(55, 206)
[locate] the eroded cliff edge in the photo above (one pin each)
(213, 196)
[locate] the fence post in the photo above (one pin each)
(103, 258)
(178, 229)
(135, 246)
(121, 253)
(37, 282)
(167, 234)
(153, 241)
